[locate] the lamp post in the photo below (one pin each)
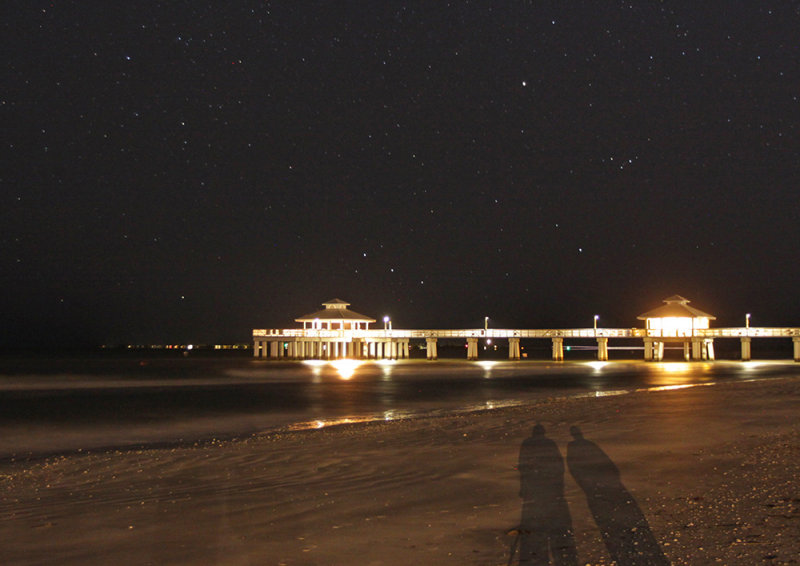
(486, 323)
(597, 316)
(747, 322)
(387, 323)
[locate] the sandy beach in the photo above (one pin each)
(699, 475)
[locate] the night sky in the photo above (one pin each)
(184, 172)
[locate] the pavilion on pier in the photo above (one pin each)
(333, 332)
(335, 316)
(676, 321)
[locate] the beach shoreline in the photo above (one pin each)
(712, 469)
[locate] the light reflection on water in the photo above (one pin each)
(409, 389)
(396, 415)
(675, 367)
(127, 401)
(594, 375)
(674, 387)
(609, 393)
(346, 368)
(386, 368)
(487, 366)
(519, 383)
(597, 366)
(351, 419)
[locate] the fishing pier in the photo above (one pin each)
(337, 332)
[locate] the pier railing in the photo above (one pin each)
(754, 332)
(450, 333)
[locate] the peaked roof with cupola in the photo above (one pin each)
(335, 310)
(676, 306)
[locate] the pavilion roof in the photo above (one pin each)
(335, 310)
(676, 306)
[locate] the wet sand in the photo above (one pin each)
(700, 475)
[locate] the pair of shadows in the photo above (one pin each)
(545, 529)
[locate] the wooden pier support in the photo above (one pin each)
(558, 349)
(472, 348)
(430, 344)
(746, 348)
(653, 350)
(708, 349)
(298, 348)
(322, 344)
(602, 349)
(658, 351)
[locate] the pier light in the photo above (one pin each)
(486, 323)
(596, 318)
(387, 323)
(747, 320)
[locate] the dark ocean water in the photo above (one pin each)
(63, 404)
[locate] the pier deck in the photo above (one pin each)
(307, 343)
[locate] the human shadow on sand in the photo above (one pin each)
(545, 527)
(622, 524)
